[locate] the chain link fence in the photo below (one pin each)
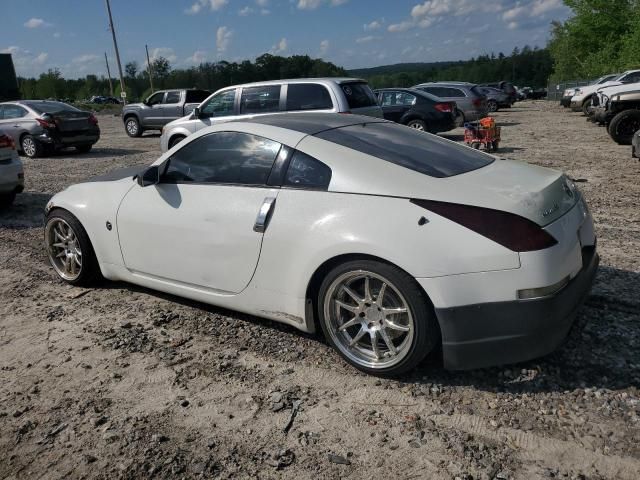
(555, 90)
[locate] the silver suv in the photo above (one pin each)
(471, 102)
(337, 95)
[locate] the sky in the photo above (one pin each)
(73, 35)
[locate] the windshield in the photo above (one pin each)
(51, 107)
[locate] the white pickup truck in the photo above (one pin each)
(582, 98)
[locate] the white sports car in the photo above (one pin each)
(393, 242)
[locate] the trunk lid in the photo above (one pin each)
(537, 193)
(71, 121)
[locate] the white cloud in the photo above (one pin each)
(534, 8)
(199, 5)
(36, 23)
(313, 4)
(366, 39)
(165, 52)
(249, 10)
(86, 58)
(41, 58)
(198, 57)
(223, 39)
(243, 12)
(324, 47)
(26, 62)
(280, 47)
(56, 35)
(375, 25)
(401, 27)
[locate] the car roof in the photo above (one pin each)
(323, 80)
(457, 84)
(313, 123)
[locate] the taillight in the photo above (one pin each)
(7, 142)
(509, 230)
(443, 107)
(45, 123)
(477, 102)
(93, 120)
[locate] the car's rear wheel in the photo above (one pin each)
(417, 125)
(624, 125)
(31, 147)
(492, 105)
(175, 140)
(132, 126)
(69, 249)
(376, 317)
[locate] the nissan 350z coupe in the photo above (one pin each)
(391, 241)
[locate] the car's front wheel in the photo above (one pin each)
(84, 148)
(376, 316)
(492, 105)
(175, 140)
(69, 249)
(624, 125)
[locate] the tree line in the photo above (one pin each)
(207, 75)
(601, 37)
(528, 66)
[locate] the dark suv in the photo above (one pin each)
(417, 109)
(506, 87)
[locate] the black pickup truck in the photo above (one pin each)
(160, 108)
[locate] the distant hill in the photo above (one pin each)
(398, 68)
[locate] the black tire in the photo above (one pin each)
(132, 127)
(84, 148)
(492, 105)
(6, 199)
(624, 125)
(425, 333)
(417, 124)
(586, 105)
(175, 140)
(31, 147)
(90, 270)
(459, 120)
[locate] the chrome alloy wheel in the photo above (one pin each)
(29, 146)
(368, 319)
(416, 126)
(132, 127)
(63, 249)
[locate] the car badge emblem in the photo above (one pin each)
(567, 190)
(549, 211)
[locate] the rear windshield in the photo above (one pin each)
(196, 96)
(424, 153)
(477, 91)
(51, 107)
(359, 95)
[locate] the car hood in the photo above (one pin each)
(612, 90)
(117, 174)
(594, 88)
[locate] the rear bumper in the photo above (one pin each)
(69, 140)
(482, 335)
(565, 101)
(576, 106)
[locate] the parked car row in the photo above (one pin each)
(614, 103)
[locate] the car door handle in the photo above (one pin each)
(264, 214)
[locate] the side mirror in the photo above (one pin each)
(196, 112)
(151, 176)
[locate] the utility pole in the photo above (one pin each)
(108, 74)
(149, 68)
(115, 46)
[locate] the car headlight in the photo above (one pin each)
(579, 91)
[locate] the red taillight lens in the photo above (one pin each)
(93, 120)
(509, 230)
(477, 102)
(45, 123)
(443, 107)
(7, 142)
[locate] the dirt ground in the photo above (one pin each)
(123, 382)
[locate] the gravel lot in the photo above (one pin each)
(123, 382)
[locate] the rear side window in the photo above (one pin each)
(223, 157)
(12, 111)
(437, 91)
(427, 154)
(359, 95)
(172, 97)
(260, 99)
(308, 96)
(307, 172)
